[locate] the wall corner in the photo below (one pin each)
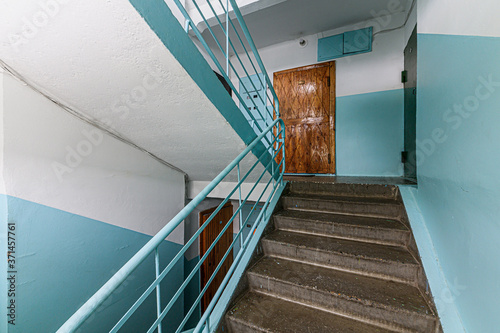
(441, 290)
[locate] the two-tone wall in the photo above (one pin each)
(370, 98)
(82, 204)
(458, 145)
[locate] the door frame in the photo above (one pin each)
(409, 157)
(201, 241)
(333, 105)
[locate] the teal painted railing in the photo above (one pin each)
(266, 175)
(275, 182)
(262, 109)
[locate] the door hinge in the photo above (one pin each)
(328, 80)
(404, 76)
(329, 158)
(404, 156)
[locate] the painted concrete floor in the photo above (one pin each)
(352, 180)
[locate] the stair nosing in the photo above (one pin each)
(406, 230)
(302, 209)
(356, 239)
(361, 272)
(344, 297)
(346, 199)
(332, 311)
(247, 324)
(311, 306)
(345, 253)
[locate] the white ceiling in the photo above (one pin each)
(94, 55)
(291, 19)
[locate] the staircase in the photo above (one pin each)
(340, 258)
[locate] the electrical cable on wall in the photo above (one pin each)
(401, 26)
(93, 122)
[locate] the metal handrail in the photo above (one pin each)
(271, 134)
(266, 84)
(79, 317)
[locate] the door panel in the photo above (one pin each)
(307, 106)
(410, 111)
(207, 237)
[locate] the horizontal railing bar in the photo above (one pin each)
(209, 27)
(238, 57)
(200, 262)
(214, 58)
(174, 261)
(247, 53)
(232, 268)
(226, 77)
(249, 38)
(214, 274)
(258, 200)
(197, 301)
(205, 256)
(117, 279)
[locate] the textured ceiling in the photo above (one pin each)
(102, 59)
(291, 19)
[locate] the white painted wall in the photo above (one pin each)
(378, 70)
(459, 17)
(106, 179)
(225, 188)
(410, 25)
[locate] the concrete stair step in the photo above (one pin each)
(348, 190)
(395, 306)
(380, 230)
(373, 207)
(390, 262)
(256, 312)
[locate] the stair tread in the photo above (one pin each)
(358, 288)
(352, 220)
(358, 249)
(348, 199)
(274, 315)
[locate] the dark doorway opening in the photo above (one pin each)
(410, 107)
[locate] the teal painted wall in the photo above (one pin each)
(192, 292)
(369, 134)
(458, 140)
(62, 259)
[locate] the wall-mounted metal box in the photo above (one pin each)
(346, 44)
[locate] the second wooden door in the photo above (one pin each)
(307, 106)
(207, 237)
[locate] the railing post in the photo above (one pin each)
(241, 209)
(227, 38)
(206, 329)
(158, 293)
(283, 135)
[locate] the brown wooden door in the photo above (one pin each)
(307, 106)
(207, 237)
